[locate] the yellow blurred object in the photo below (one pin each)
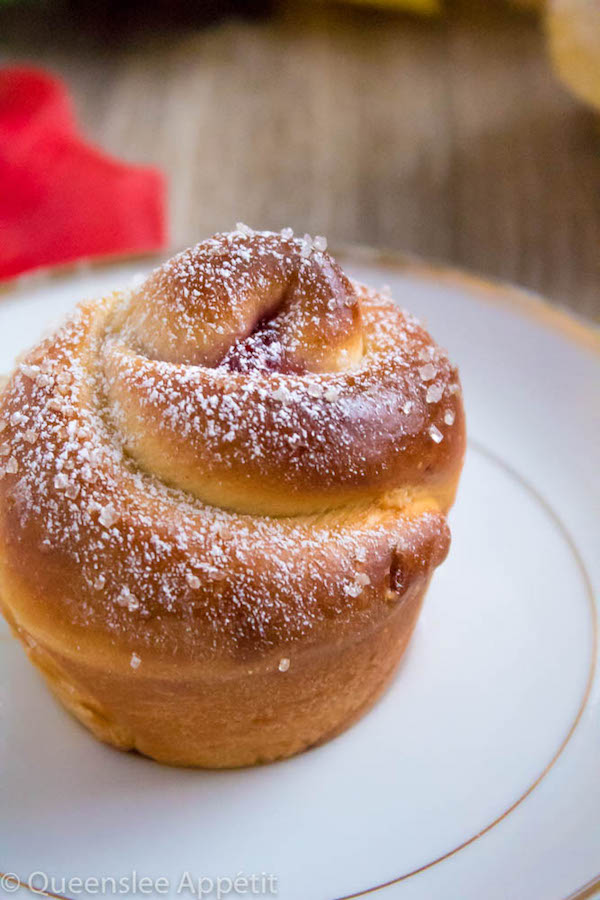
(573, 28)
(574, 33)
(425, 7)
(530, 4)
(435, 7)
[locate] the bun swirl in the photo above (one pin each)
(223, 496)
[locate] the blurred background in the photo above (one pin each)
(466, 132)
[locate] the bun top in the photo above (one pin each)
(249, 300)
(251, 372)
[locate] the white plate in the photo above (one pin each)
(477, 775)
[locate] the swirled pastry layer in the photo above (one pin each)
(246, 453)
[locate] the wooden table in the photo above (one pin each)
(448, 138)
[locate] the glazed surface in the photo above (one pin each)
(246, 456)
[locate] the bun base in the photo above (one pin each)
(259, 716)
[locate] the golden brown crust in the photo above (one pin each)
(260, 714)
(208, 305)
(287, 444)
(179, 524)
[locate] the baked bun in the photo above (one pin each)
(223, 495)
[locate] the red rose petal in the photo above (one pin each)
(62, 199)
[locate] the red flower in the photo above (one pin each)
(62, 199)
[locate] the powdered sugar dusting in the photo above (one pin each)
(427, 372)
(434, 393)
(146, 560)
(108, 515)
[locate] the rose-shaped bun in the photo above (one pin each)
(223, 495)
